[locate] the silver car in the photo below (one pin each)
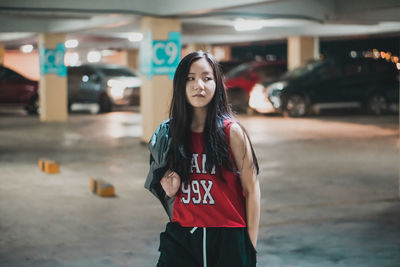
(104, 84)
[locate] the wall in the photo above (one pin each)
(25, 64)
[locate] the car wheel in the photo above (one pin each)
(105, 104)
(33, 106)
(296, 106)
(377, 104)
(238, 100)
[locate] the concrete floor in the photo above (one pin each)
(329, 191)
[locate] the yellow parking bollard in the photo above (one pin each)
(101, 188)
(48, 166)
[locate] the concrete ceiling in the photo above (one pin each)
(108, 24)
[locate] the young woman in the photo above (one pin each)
(211, 174)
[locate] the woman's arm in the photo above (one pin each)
(170, 183)
(242, 155)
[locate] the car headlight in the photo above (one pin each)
(276, 87)
(274, 91)
(257, 96)
(116, 88)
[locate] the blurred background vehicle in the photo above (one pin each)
(104, 84)
(241, 79)
(369, 84)
(17, 90)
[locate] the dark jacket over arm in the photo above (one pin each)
(159, 147)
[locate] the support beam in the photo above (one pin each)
(2, 53)
(132, 59)
(53, 94)
(301, 50)
(156, 92)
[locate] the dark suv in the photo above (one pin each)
(105, 84)
(349, 83)
(16, 90)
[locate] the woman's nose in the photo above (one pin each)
(199, 84)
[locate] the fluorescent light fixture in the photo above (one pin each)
(135, 37)
(26, 48)
(256, 24)
(94, 56)
(72, 59)
(71, 43)
(107, 52)
(248, 25)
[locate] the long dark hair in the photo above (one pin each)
(218, 111)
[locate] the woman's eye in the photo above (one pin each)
(207, 78)
(190, 78)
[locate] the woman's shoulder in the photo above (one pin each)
(236, 134)
(233, 130)
(236, 131)
(231, 124)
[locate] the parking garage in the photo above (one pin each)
(329, 178)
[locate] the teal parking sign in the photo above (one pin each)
(160, 57)
(52, 60)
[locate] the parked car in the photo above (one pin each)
(349, 83)
(241, 79)
(17, 90)
(105, 84)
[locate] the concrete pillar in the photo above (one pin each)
(53, 96)
(222, 53)
(195, 47)
(316, 48)
(156, 93)
(2, 53)
(301, 49)
(132, 59)
(204, 47)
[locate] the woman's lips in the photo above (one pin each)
(198, 95)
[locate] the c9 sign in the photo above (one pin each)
(164, 53)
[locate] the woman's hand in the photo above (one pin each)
(171, 183)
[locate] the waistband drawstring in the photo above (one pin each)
(204, 248)
(204, 244)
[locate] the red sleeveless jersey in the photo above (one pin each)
(206, 200)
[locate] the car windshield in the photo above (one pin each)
(236, 71)
(300, 71)
(115, 72)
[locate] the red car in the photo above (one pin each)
(241, 79)
(17, 90)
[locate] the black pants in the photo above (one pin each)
(183, 247)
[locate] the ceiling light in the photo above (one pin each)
(71, 43)
(248, 25)
(94, 56)
(72, 59)
(353, 54)
(107, 52)
(376, 53)
(26, 48)
(135, 37)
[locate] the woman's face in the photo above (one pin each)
(200, 84)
